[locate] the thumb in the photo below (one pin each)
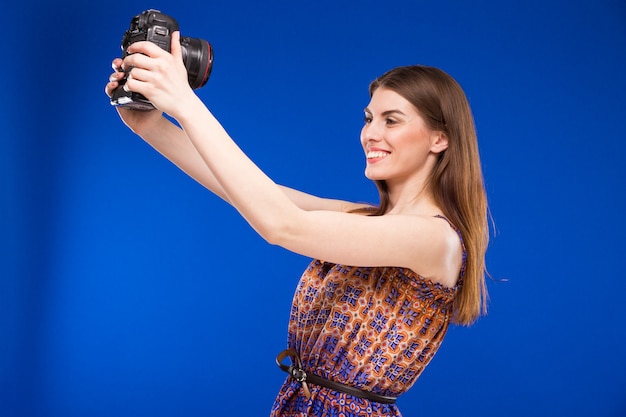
(175, 48)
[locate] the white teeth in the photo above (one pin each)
(376, 154)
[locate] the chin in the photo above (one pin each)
(373, 176)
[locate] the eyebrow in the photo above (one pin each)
(386, 112)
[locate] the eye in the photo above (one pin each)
(390, 122)
(367, 119)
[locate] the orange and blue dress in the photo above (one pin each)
(372, 328)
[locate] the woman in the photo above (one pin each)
(371, 310)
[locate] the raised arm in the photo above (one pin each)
(283, 217)
(172, 142)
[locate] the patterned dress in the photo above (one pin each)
(371, 328)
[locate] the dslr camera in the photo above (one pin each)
(156, 27)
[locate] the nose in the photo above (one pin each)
(371, 132)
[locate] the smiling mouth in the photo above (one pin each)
(376, 154)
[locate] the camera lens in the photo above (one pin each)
(198, 59)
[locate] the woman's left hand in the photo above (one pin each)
(160, 76)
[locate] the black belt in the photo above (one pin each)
(296, 372)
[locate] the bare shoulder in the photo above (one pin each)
(441, 249)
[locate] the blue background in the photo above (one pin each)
(126, 289)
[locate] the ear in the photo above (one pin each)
(438, 141)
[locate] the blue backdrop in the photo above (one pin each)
(126, 289)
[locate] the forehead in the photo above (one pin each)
(384, 100)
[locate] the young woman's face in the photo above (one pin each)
(396, 140)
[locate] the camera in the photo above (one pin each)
(157, 27)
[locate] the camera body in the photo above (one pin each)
(157, 27)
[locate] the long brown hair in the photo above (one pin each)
(456, 181)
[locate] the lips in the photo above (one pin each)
(377, 154)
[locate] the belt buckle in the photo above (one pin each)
(295, 369)
(298, 374)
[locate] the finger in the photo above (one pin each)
(113, 82)
(136, 85)
(116, 76)
(176, 47)
(136, 60)
(110, 87)
(145, 47)
(117, 64)
(138, 73)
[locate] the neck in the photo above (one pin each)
(411, 200)
(412, 195)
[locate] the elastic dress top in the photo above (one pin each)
(373, 328)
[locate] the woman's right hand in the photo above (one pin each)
(137, 120)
